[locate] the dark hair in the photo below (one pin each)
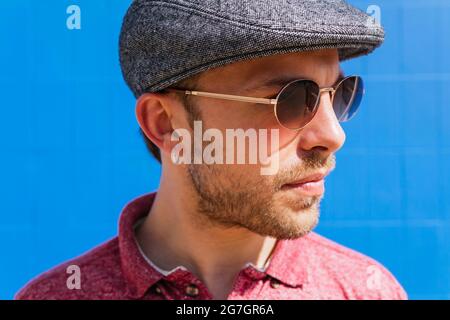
(188, 83)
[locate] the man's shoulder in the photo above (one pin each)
(98, 271)
(324, 248)
(357, 275)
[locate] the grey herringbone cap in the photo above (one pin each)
(165, 41)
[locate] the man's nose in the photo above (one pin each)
(324, 132)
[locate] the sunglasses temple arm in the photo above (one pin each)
(227, 96)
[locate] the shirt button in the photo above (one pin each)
(157, 290)
(192, 290)
(275, 284)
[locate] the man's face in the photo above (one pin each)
(238, 195)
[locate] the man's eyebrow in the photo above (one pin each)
(281, 81)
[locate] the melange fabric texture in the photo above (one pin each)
(311, 267)
(165, 41)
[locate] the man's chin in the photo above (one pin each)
(299, 222)
(286, 223)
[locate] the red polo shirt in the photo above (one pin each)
(310, 267)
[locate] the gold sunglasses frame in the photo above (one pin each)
(274, 102)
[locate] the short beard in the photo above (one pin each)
(260, 208)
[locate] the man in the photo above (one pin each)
(223, 229)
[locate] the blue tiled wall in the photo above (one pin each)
(71, 155)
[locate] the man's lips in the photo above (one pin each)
(312, 185)
(311, 178)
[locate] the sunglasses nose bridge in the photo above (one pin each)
(331, 91)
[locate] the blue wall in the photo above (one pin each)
(71, 155)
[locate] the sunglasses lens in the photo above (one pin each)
(347, 98)
(297, 104)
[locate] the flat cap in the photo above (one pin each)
(165, 41)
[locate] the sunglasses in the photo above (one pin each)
(298, 101)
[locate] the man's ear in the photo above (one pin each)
(154, 118)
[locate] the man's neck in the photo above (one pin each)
(169, 238)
